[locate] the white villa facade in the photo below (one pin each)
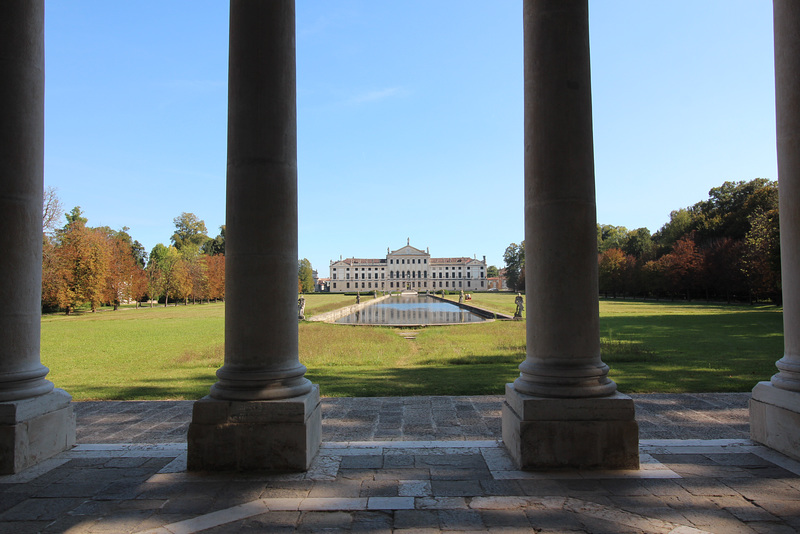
(408, 268)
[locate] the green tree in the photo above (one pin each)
(609, 236)
(216, 246)
(305, 275)
(760, 262)
(514, 258)
(492, 271)
(640, 244)
(680, 223)
(173, 273)
(189, 231)
(727, 211)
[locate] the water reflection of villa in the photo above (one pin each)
(408, 268)
(414, 310)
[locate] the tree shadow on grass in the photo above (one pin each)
(187, 388)
(727, 352)
(483, 379)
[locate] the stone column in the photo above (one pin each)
(262, 413)
(563, 410)
(36, 420)
(775, 405)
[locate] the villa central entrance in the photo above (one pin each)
(407, 310)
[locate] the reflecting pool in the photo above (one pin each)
(411, 310)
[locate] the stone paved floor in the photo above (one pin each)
(401, 465)
(660, 416)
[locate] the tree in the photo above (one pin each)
(760, 261)
(684, 266)
(123, 273)
(173, 275)
(727, 211)
(514, 258)
(492, 272)
(609, 236)
(305, 275)
(216, 246)
(82, 265)
(51, 277)
(615, 268)
(640, 244)
(189, 231)
(216, 276)
(76, 215)
(680, 222)
(52, 210)
(197, 269)
(723, 275)
(155, 286)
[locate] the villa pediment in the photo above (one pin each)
(408, 250)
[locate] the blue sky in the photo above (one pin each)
(409, 116)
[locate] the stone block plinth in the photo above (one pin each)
(269, 435)
(32, 430)
(585, 433)
(775, 418)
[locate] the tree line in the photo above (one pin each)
(94, 266)
(726, 247)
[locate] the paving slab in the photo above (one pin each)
(418, 464)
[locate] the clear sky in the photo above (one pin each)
(409, 116)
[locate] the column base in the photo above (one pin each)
(272, 435)
(34, 429)
(775, 418)
(585, 433)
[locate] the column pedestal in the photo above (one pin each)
(775, 418)
(589, 433)
(34, 429)
(270, 435)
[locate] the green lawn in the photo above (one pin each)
(172, 353)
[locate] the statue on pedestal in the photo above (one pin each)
(519, 301)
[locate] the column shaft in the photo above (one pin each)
(563, 351)
(261, 352)
(787, 97)
(21, 171)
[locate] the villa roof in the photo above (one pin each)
(450, 260)
(358, 261)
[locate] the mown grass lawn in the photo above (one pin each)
(172, 353)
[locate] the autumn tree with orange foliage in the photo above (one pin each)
(216, 276)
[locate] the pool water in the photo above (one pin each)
(411, 310)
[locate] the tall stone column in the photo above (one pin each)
(563, 410)
(262, 413)
(775, 405)
(36, 420)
